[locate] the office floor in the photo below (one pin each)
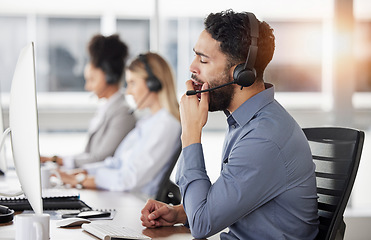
(357, 216)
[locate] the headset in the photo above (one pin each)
(6, 214)
(111, 76)
(244, 74)
(153, 83)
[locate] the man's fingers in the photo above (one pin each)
(158, 213)
(204, 102)
(189, 85)
(146, 211)
(146, 222)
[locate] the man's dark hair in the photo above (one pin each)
(232, 30)
(108, 53)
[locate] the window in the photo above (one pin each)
(62, 53)
(135, 33)
(177, 39)
(363, 56)
(296, 64)
(13, 39)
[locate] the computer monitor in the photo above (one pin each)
(24, 130)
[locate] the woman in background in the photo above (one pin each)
(112, 121)
(145, 154)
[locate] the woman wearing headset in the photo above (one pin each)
(112, 122)
(145, 154)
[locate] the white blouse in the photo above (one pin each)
(142, 157)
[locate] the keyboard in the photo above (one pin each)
(107, 231)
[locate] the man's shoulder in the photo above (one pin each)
(272, 123)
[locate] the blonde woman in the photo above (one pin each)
(144, 155)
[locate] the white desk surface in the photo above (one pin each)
(127, 206)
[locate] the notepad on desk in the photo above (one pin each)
(53, 199)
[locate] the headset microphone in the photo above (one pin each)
(132, 111)
(194, 92)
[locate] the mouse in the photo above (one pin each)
(71, 222)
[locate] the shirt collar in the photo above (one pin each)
(250, 107)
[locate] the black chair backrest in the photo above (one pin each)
(168, 191)
(336, 153)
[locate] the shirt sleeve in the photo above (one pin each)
(92, 168)
(252, 175)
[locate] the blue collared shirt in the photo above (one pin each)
(266, 188)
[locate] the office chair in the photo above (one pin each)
(336, 153)
(168, 191)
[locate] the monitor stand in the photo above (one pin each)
(3, 163)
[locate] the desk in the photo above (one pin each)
(127, 206)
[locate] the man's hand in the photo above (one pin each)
(159, 214)
(193, 115)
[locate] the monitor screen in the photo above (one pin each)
(24, 131)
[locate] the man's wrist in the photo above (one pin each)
(188, 139)
(181, 215)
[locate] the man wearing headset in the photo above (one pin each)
(267, 187)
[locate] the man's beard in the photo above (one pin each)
(221, 98)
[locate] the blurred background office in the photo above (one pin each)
(321, 68)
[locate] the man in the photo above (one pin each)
(267, 188)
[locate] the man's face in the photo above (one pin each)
(211, 65)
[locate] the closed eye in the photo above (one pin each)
(201, 56)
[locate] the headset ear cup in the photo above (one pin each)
(243, 77)
(236, 72)
(153, 84)
(247, 78)
(110, 79)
